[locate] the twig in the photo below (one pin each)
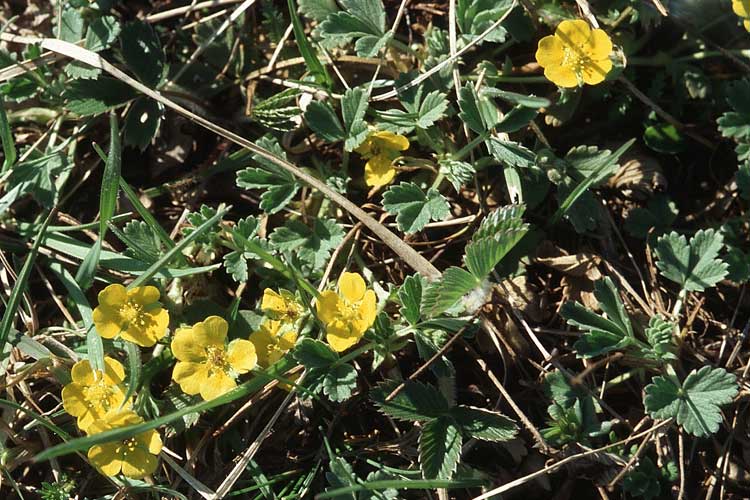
(552, 468)
(681, 448)
(178, 11)
(630, 463)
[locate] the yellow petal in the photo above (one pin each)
(272, 301)
(379, 171)
(365, 148)
(241, 355)
(187, 346)
(81, 373)
(151, 441)
(114, 373)
(573, 33)
(741, 8)
(562, 76)
(212, 330)
(388, 141)
(596, 71)
(144, 295)
(107, 321)
(190, 376)
(327, 306)
(550, 51)
(746, 24)
(105, 458)
(287, 340)
(74, 399)
(352, 286)
(263, 342)
(113, 296)
(217, 384)
(340, 339)
(600, 45)
(368, 309)
(139, 463)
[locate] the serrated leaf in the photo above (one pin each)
(415, 402)
(314, 354)
(413, 208)
(497, 235)
(484, 424)
(360, 19)
(695, 266)
(439, 449)
(694, 404)
(443, 294)
(340, 381)
(142, 52)
(321, 118)
(71, 26)
(529, 101)
(410, 296)
(473, 17)
(313, 245)
(235, 263)
(510, 153)
(477, 112)
(93, 97)
(353, 109)
(458, 173)
(659, 335)
(142, 122)
(602, 334)
(516, 119)
(317, 9)
(101, 33)
(586, 162)
(734, 125)
(279, 186)
(433, 108)
(659, 214)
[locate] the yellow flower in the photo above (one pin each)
(381, 148)
(92, 394)
(272, 341)
(135, 315)
(575, 54)
(206, 365)
(135, 457)
(281, 306)
(742, 9)
(347, 314)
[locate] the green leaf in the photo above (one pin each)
(743, 180)
(312, 62)
(71, 26)
(312, 245)
(279, 186)
(659, 335)
(6, 136)
(277, 112)
(601, 334)
(659, 214)
(340, 381)
(353, 108)
(135, 367)
(142, 241)
(496, 236)
(516, 119)
(443, 294)
(235, 263)
(416, 401)
(589, 162)
(458, 173)
(142, 52)
(314, 354)
(694, 404)
(360, 19)
(694, 266)
(321, 118)
(473, 17)
(734, 125)
(664, 138)
(529, 101)
(484, 424)
(94, 97)
(101, 33)
(510, 153)
(410, 296)
(433, 108)
(413, 208)
(317, 10)
(439, 448)
(478, 113)
(142, 122)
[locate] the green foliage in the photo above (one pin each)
(278, 111)
(142, 52)
(61, 489)
(242, 234)
(94, 97)
(648, 481)
(279, 186)
(363, 20)
(322, 119)
(142, 122)
(410, 296)
(443, 425)
(659, 214)
(695, 266)
(326, 372)
(473, 17)
(497, 235)
(694, 403)
(312, 245)
(413, 207)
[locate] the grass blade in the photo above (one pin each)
(305, 48)
(134, 369)
(6, 135)
(406, 484)
(20, 286)
(259, 379)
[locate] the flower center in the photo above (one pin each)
(575, 59)
(98, 395)
(133, 314)
(129, 446)
(216, 359)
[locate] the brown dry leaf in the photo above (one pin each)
(639, 176)
(580, 271)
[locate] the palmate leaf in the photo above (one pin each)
(443, 294)
(601, 334)
(695, 266)
(439, 448)
(279, 186)
(694, 404)
(410, 296)
(312, 245)
(413, 207)
(496, 236)
(363, 20)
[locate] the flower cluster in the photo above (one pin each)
(278, 332)
(348, 313)
(575, 54)
(742, 9)
(380, 149)
(134, 315)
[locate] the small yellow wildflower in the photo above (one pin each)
(205, 364)
(135, 315)
(281, 306)
(92, 394)
(135, 457)
(272, 340)
(742, 9)
(347, 314)
(575, 54)
(381, 148)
